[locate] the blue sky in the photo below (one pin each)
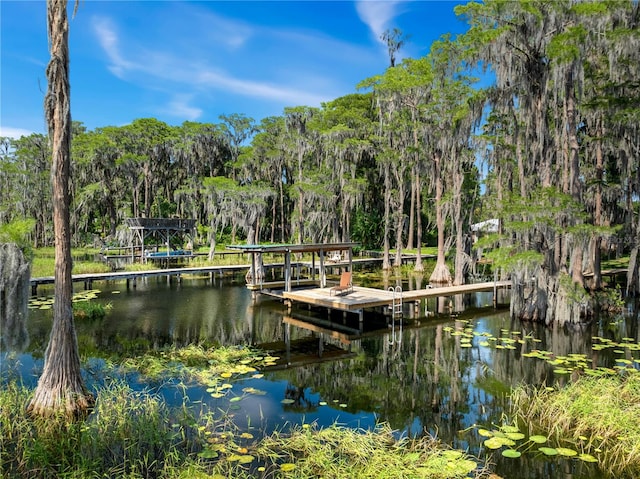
(178, 61)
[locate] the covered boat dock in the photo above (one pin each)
(324, 253)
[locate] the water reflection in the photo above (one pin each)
(433, 380)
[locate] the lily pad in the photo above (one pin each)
(511, 453)
(587, 457)
(538, 439)
(452, 454)
(208, 454)
(564, 451)
(493, 443)
(548, 451)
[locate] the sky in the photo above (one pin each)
(183, 61)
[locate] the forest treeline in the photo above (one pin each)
(548, 143)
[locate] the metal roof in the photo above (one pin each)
(292, 248)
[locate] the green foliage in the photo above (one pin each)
(90, 310)
(566, 46)
(366, 229)
(510, 259)
(18, 232)
(573, 291)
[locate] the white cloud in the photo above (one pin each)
(377, 15)
(110, 43)
(162, 69)
(220, 30)
(15, 133)
(180, 108)
(259, 89)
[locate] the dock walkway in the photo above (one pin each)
(129, 276)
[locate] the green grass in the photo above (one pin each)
(599, 416)
(340, 452)
(43, 263)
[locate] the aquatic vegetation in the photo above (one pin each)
(84, 306)
(207, 365)
(342, 452)
(579, 364)
(134, 434)
(512, 443)
(126, 435)
(599, 416)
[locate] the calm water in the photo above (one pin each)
(440, 374)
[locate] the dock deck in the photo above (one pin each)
(366, 298)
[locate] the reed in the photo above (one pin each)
(128, 434)
(91, 310)
(340, 452)
(595, 415)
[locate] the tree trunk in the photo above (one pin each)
(15, 271)
(60, 389)
(412, 206)
(596, 282)
(419, 267)
(441, 273)
(386, 263)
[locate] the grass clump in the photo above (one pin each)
(340, 452)
(90, 310)
(600, 416)
(129, 434)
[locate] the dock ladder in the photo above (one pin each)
(396, 314)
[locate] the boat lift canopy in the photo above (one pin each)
(286, 249)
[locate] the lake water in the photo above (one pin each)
(439, 374)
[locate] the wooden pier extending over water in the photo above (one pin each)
(131, 277)
(368, 298)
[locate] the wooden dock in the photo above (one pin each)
(368, 298)
(133, 276)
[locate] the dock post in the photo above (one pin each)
(34, 289)
(287, 342)
(361, 319)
